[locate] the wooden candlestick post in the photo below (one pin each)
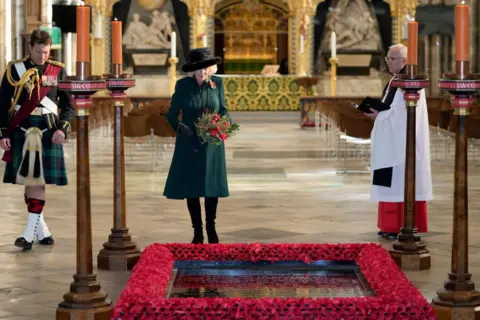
(119, 253)
(85, 299)
(458, 298)
(409, 252)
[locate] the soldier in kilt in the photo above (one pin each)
(34, 122)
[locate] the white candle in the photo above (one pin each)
(173, 49)
(302, 44)
(205, 40)
(333, 44)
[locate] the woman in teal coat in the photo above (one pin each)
(197, 171)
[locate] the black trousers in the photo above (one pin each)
(195, 210)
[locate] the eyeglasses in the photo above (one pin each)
(388, 59)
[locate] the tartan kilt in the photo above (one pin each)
(53, 160)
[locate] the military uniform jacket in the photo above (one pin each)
(8, 95)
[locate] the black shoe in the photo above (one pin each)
(24, 244)
(212, 235)
(392, 236)
(381, 234)
(47, 241)
(198, 236)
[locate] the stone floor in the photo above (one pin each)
(287, 185)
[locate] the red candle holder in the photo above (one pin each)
(409, 251)
(458, 299)
(85, 299)
(119, 252)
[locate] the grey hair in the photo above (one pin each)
(211, 69)
(402, 49)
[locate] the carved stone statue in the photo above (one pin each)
(355, 24)
(135, 33)
(154, 36)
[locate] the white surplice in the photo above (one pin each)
(388, 143)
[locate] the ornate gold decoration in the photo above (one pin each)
(303, 4)
(262, 93)
(56, 63)
(250, 31)
(29, 80)
(401, 11)
(151, 5)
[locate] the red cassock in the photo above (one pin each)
(390, 216)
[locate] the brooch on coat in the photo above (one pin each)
(49, 81)
(212, 84)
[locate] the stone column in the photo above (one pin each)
(475, 36)
(19, 28)
(3, 62)
(46, 13)
(300, 26)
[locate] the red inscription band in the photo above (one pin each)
(118, 95)
(462, 102)
(410, 84)
(120, 83)
(411, 96)
(82, 102)
(467, 85)
(81, 86)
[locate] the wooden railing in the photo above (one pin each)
(354, 123)
(141, 115)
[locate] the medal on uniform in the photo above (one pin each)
(49, 81)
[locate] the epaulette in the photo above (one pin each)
(56, 63)
(15, 61)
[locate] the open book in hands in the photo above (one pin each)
(371, 103)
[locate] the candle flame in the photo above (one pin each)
(462, 2)
(115, 19)
(80, 3)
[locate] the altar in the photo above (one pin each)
(262, 93)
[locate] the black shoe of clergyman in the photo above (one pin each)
(24, 244)
(392, 236)
(47, 241)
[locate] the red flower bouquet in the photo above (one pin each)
(214, 128)
(395, 296)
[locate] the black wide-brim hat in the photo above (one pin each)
(200, 58)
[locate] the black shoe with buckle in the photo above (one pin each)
(24, 244)
(47, 241)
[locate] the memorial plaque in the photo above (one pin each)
(197, 279)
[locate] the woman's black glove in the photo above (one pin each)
(184, 130)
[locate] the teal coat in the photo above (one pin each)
(203, 173)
